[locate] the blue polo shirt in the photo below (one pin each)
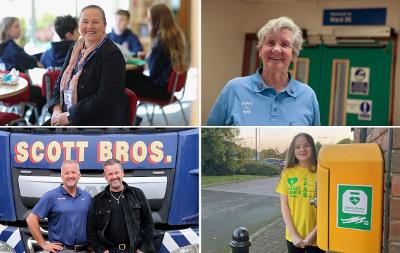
(66, 215)
(249, 101)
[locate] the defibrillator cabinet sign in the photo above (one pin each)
(354, 207)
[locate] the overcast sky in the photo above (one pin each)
(280, 137)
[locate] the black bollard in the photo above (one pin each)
(240, 241)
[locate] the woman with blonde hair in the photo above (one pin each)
(167, 53)
(12, 55)
(90, 90)
(297, 187)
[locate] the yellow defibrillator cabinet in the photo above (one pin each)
(350, 198)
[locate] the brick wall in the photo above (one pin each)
(379, 136)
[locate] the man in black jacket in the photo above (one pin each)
(119, 218)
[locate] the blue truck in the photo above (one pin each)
(164, 163)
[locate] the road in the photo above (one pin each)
(252, 204)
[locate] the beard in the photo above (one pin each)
(71, 184)
(116, 183)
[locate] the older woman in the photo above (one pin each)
(270, 96)
(90, 89)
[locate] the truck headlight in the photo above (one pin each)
(4, 247)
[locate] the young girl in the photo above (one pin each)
(167, 53)
(297, 188)
(12, 55)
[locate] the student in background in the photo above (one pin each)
(12, 55)
(123, 36)
(167, 53)
(67, 29)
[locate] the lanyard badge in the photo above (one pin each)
(68, 98)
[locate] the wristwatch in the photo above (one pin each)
(69, 118)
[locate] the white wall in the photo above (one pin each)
(225, 22)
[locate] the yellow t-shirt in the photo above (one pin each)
(299, 185)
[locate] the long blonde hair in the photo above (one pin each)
(5, 25)
(291, 159)
(171, 36)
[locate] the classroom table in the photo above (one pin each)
(12, 90)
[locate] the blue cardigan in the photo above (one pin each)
(55, 56)
(14, 56)
(159, 64)
(129, 38)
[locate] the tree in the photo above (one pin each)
(268, 153)
(219, 155)
(345, 141)
(246, 152)
(284, 154)
(318, 146)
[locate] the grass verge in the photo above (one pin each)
(215, 180)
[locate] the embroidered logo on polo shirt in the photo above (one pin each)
(61, 198)
(246, 106)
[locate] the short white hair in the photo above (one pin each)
(278, 24)
(70, 162)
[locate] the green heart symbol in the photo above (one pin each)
(355, 200)
(292, 180)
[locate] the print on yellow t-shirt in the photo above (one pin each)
(299, 185)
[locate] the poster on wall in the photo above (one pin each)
(359, 81)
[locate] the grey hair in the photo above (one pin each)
(5, 25)
(70, 162)
(110, 162)
(275, 25)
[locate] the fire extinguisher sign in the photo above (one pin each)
(354, 207)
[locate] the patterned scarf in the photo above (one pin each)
(68, 83)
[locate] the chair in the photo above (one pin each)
(18, 102)
(176, 83)
(7, 118)
(48, 82)
(132, 105)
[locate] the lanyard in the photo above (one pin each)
(78, 66)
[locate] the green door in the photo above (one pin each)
(355, 84)
(308, 67)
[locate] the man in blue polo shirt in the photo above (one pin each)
(66, 209)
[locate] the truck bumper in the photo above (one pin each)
(180, 241)
(11, 236)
